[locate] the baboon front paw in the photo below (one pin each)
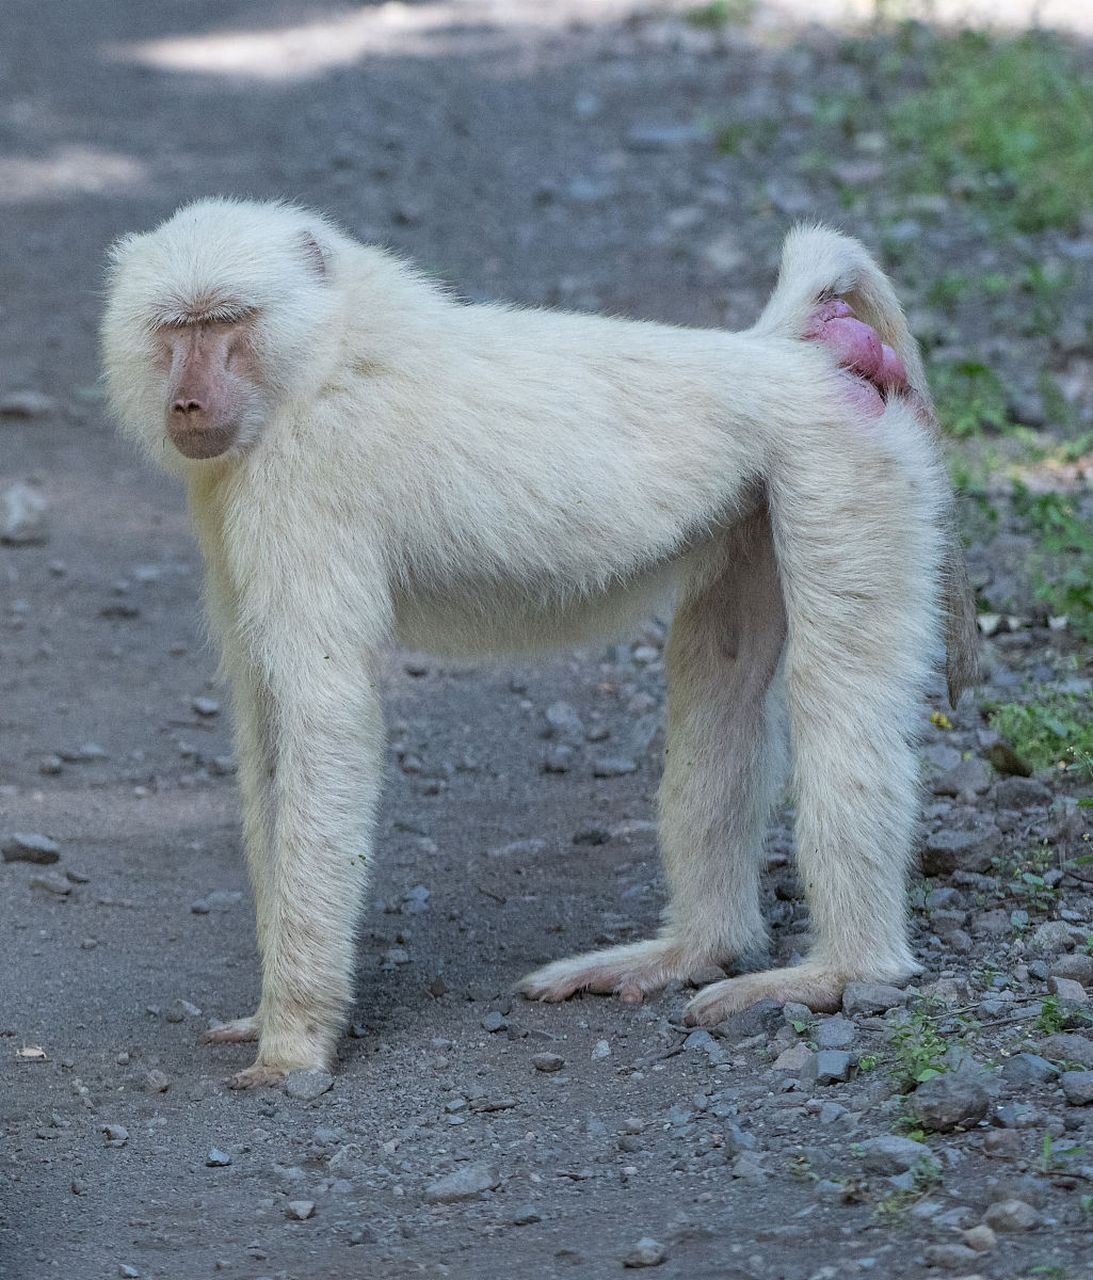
(237, 1031)
(800, 984)
(630, 972)
(256, 1076)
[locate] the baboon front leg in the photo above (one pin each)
(327, 738)
(855, 515)
(721, 772)
(254, 752)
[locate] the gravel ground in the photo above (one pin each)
(554, 155)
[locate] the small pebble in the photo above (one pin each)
(548, 1062)
(30, 846)
(891, 1154)
(1077, 1087)
(872, 997)
(300, 1210)
(950, 1100)
(465, 1183)
(1011, 1215)
(217, 1159)
(646, 1253)
(306, 1086)
(51, 883)
(1025, 1069)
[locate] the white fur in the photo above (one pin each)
(482, 479)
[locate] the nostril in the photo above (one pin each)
(185, 406)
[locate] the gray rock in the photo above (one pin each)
(205, 706)
(1067, 1047)
(982, 1239)
(218, 900)
(548, 1062)
(29, 846)
(646, 1253)
(1017, 1115)
(89, 753)
(835, 1033)
(494, 1021)
(797, 1060)
(564, 724)
(1078, 1087)
(1005, 1143)
(829, 1066)
(946, 850)
(23, 518)
(664, 137)
(115, 1135)
(156, 1081)
(300, 1210)
(52, 883)
(969, 776)
(558, 758)
(1067, 989)
(524, 1215)
(1025, 1069)
(942, 755)
(1050, 938)
(465, 1183)
(760, 1019)
(217, 1159)
(180, 1010)
(1011, 1215)
(702, 1042)
(1020, 793)
(891, 1154)
(1078, 965)
(872, 997)
(306, 1086)
(949, 1257)
(947, 1101)
(613, 766)
(25, 404)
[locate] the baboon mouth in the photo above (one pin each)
(202, 442)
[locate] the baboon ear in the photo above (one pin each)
(315, 254)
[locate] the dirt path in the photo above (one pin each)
(550, 154)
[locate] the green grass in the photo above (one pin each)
(1062, 564)
(721, 13)
(1054, 727)
(969, 397)
(1005, 124)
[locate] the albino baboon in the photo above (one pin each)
(369, 460)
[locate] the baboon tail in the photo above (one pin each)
(817, 264)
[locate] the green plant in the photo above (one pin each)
(1006, 125)
(1046, 290)
(925, 1175)
(1063, 561)
(919, 1047)
(720, 13)
(1053, 1157)
(1051, 1018)
(1046, 730)
(969, 397)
